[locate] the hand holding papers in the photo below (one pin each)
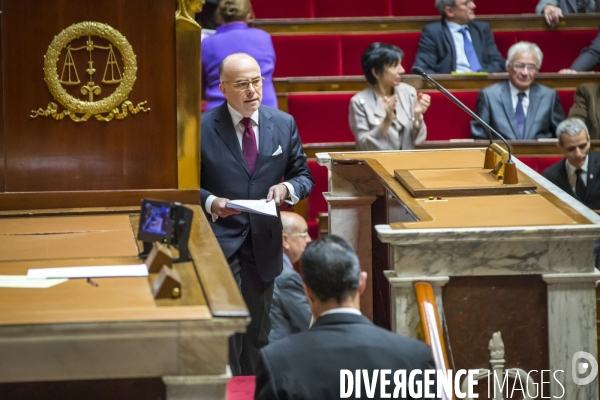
(261, 207)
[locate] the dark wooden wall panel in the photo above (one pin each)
(42, 154)
(2, 158)
(476, 307)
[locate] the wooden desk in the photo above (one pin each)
(521, 264)
(76, 331)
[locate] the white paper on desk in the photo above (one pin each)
(21, 281)
(89, 272)
(261, 207)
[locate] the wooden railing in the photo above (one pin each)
(416, 24)
(283, 86)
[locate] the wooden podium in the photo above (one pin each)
(101, 108)
(517, 263)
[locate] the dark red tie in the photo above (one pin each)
(249, 144)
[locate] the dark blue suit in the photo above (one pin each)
(306, 365)
(251, 243)
(437, 55)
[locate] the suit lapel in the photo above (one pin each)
(592, 175)
(534, 102)
(563, 178)
(508, 109)
(225, 129)
(572, 5)
(449, 43)
(266, 134)
(477, 45)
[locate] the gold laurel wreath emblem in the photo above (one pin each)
(79, 110)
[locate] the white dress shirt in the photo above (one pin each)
(341, 310)
(514, 95)
(462, 63)
(573, 176)
(236, 118)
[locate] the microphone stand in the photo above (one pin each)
(510, 171)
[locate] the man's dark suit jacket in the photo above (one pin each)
(437, 55)
(290, 311)
(589, 56)
(557, 174)
(494, 106)
(224, 173)
(307, 365)
(587, 107)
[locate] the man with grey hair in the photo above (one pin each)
(290, 312)
(578, 174)
(554, 10)
(458, 42)
(519, 109)
(308, 365)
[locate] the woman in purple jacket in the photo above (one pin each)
(234, 36)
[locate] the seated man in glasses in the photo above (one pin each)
(518, 108)
(252, 152)
(458, 42)
(290, 311)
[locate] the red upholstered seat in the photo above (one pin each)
(567, 98)
(316, 201)
(403, 8)
(352, 8)
(321, 117)
(354, 45)
(334, 55)
(545, 162)
(446, 121)
(308, 55)
(283, 8)
(531, 162)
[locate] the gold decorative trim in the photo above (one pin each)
(189, 88)
(187, 9)
(90, 108)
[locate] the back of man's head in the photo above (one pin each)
(331, 269)
(442, 4)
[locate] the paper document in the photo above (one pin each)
(254, 206)
(21, 281)
(89, 272)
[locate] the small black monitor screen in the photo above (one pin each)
(155, 221)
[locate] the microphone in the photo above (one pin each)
(452, 98)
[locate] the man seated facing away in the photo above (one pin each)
(554, 10)
(578, 174)
(518, 108)
(457, 42)
(290, 311)
(307, 365)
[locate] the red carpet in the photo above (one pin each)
(241, 388)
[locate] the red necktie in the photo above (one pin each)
(249, 144)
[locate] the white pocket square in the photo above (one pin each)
(277, 152)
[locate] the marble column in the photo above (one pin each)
(350, 218)
(197, 387)
(404, 307)
(571, 328)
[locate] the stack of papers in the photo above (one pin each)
(88, 272)
(261, 207)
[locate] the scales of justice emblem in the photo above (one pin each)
(116, 105)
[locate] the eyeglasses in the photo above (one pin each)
(244, 85)
(466, 3)
(521, 67)
(299, 234)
